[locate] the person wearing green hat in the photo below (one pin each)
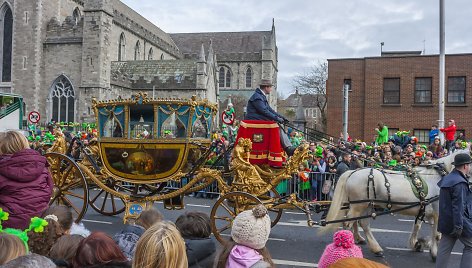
(319, 167)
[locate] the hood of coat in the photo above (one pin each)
(23, 166)
(199, 249)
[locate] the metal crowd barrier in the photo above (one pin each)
(320, 187)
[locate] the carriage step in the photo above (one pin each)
(174, 203)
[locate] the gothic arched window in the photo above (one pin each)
(249, 77)
(137, 51)
(76, 15)
(62, 100)
(6, 26)
(162, 56)
(121, 47)
(224, 77)
(221, 77)
(228, 79)
(150, 54)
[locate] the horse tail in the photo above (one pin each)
(339, 198)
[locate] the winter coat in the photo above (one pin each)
(449, 131)
(432, 134)
(455, 204)
(25, 187)
(382, 136)
(258, 108)
(128, 238)
(342, 167)
(200, 252)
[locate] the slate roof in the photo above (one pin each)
(308, 100)
(228, 46)
(163, 74)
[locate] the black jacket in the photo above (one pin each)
(258, 108)
(455, 204)
(200, 252)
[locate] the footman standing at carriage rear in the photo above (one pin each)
(455, 212)
(258, 108)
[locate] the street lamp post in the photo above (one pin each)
(442, 67)
(345, 110)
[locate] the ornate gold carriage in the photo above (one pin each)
(144, 145)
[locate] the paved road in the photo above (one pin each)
(293, 244)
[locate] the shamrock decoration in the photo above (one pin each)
(37, 225)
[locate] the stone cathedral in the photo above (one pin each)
(58, 54)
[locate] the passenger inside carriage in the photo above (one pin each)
(258, 108)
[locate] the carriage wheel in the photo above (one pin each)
(274, 213)
(70, 186)
(226, 208)
(104, 202)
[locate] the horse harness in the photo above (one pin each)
(418, 185)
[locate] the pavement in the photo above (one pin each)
(293, 244)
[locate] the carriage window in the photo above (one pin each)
(200, 128)
(173, 127)
(141, 119)
(112, 128)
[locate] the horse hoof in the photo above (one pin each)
(379, 254)
(361, 242)
(434, 258)
(418, 246)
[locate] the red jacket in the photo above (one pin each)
(25, 187)
(449, 132)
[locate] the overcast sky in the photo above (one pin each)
(312, 30)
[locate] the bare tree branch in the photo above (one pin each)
(313, 81)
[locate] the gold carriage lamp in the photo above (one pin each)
(134, 209)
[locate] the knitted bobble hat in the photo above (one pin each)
(251, 228)
(342, 247)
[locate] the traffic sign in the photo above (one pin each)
(34, 117)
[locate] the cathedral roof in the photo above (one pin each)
(162, 74)
(228, 46)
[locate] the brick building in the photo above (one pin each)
(401, 90)
(58, 54)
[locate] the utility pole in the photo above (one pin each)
(442, 67)
(345, 110)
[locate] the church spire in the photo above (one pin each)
(201, 57)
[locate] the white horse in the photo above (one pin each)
(352, 186)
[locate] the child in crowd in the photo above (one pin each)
(11, 248)
(99, 250)
(342, 247)
(249, 235)
(161, 246)
(41, 243)
(66, 220)
(64, 250)
(304, 182)
(128, 237)
(196, 230)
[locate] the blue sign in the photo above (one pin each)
(135, 209)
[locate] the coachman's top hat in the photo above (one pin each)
(461, 159)
(266, 82)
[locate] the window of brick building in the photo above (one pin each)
(249, 77)
(422, 135)
(423, 90)
(456, 89)
(392, 131)
(348, 83)
(391, 91)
